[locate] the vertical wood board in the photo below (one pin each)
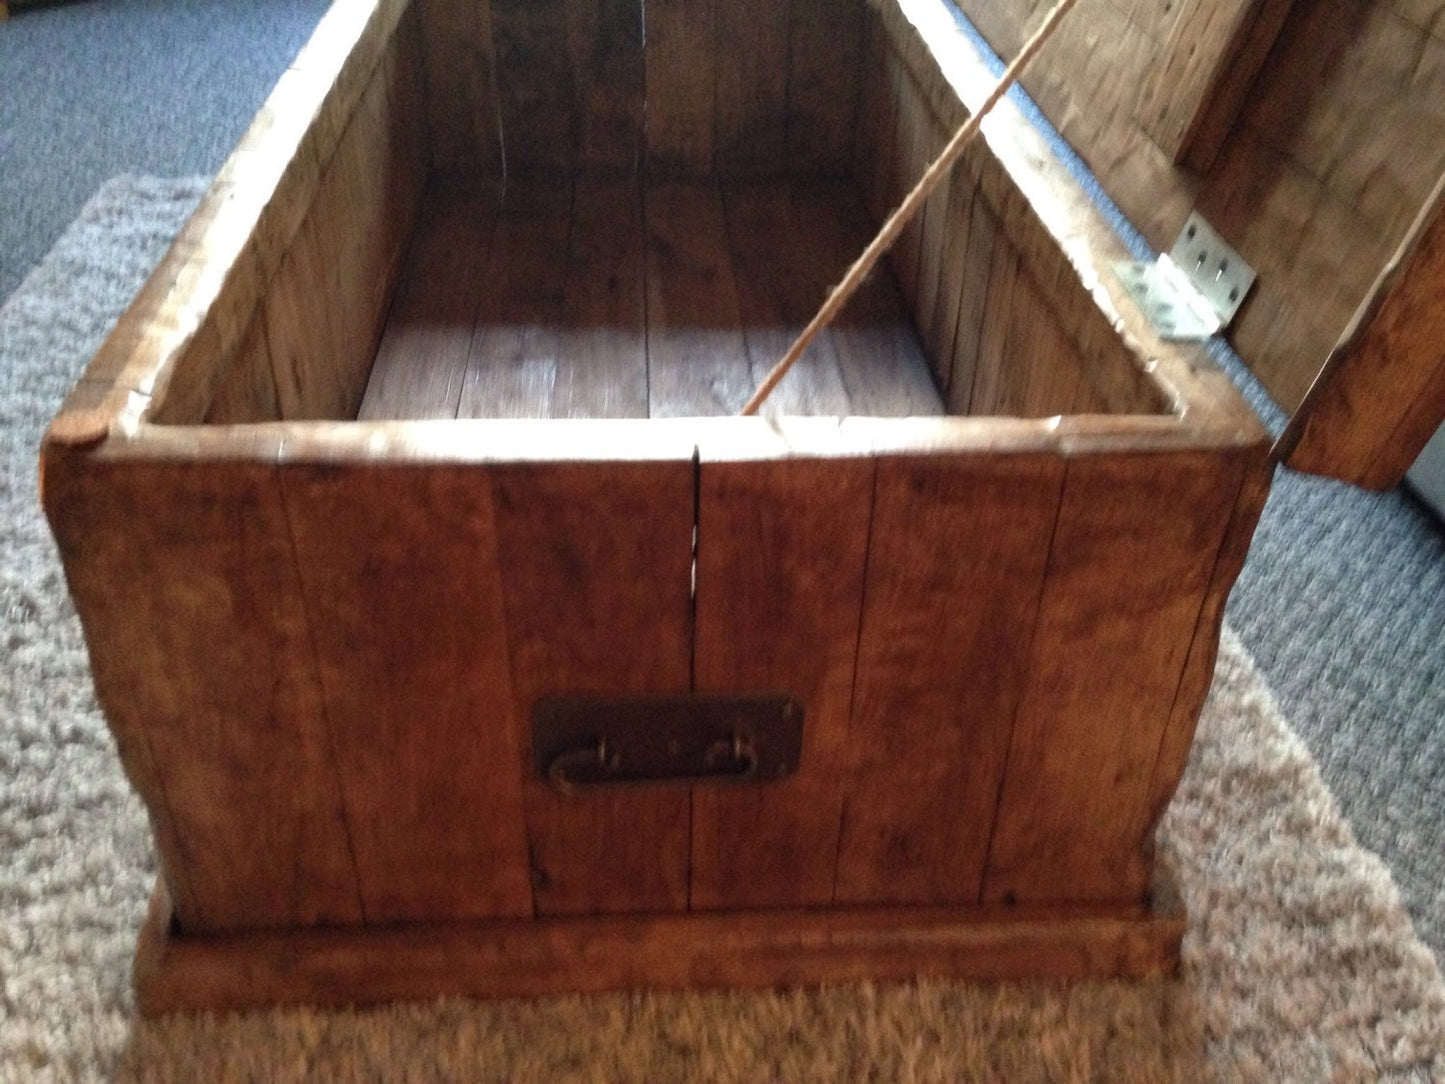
(411, 644)
(598, 567)
(781, 550)
(955, 570)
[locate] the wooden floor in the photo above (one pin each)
(591, 298)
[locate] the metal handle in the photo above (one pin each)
(731, 760)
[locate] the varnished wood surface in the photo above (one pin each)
(1381, 395)
(785, 948)
(606, 298)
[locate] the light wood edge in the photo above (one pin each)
(216, 272)
(174, 972)
(1306, 443)
(1064, 240)
(499, 441)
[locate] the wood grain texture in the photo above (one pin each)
(536, 84)
(512, 360)
(1381, 395)
(602, 355)
(421, 362)
(530, 959)
(411, 643)
(778, 293)
(608, 73)
(1198, 64)
(753, 81)
(984, 247)
(598, 561)
(881, 361)
(322, 340)
(1133, 555)
(463, 111)
(825, 55)
(681, 87)
(780, 560)
(248, 391)
(186, 587)
(696, 355)
(955, 569)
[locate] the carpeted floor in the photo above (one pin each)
(1300, 963)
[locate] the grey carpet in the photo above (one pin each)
(92, 89)
(1300, 963)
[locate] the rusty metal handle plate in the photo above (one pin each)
(584, 742)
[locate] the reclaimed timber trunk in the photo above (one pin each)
(424, 422)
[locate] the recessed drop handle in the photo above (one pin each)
(584, 742)
(728, 761)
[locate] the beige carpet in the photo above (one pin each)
(1299, 965)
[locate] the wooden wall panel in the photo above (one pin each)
(825, 55)
(681, 86)
(780, 559)
(463, 111)
(597, 588)
(955, 569)
(230, 748)
(325, 308)
(411, 642)
(752, 88)
(1132, 558)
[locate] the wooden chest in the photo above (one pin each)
(424, 420)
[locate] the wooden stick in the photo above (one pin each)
(907, 209)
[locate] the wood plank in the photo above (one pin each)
(957, 235)
(777, 299)
(1258, 472)
(883, 365)
(681, 87)
(421, 363)
(201, 655)
(512, 362)
(978, 263)
(1198, 65)
(1381, 395)
(463, 112)
(411, 643)
(531, 959)
(597, 590)
(955, 569)
(875, 147)
(991, 370)
(602, 354)
(780, 558)
(536, 84)
(914, 124)
(1133, 554)
(931, 240)
(325, 309)
(696, 355)
(608, 70)
(1230, 94)
(825, 55)
(752, 88)
(248, 392)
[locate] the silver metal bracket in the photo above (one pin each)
(1194, 290)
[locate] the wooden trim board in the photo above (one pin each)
(784, 948)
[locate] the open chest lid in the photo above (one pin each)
(1311, 136)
